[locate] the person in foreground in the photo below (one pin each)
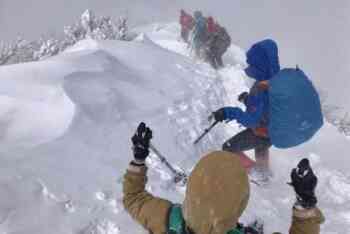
(217, 193)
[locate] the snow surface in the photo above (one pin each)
(67, 121)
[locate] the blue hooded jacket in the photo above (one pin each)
(263, 62)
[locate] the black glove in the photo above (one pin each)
(243, 97)
(219, 115)
(141, 141)
(304, 183)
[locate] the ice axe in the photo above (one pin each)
(179, 176)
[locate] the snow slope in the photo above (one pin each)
(67, 121)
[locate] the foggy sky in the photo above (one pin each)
(313, 34)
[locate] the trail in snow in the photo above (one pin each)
(274, 203)
(73, 115)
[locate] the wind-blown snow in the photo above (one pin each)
(66, 125)
(34, 108)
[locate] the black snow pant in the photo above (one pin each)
(214, 57)
(247, 140)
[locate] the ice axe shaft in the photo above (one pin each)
(163, 159)
(206, 131)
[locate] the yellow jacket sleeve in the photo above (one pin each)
(150, 211)
(307, 221)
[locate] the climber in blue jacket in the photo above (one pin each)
(263, 64)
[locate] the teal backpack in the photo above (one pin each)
(177, 224)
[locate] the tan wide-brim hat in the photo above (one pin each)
(217, 193)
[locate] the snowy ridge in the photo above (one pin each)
(67, 121)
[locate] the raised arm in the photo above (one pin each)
(145, 208)
(307, 218)
(306, 221)
(249, 118)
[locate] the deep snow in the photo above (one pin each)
(67, 121)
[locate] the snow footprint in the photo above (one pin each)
(110, 202)
(66, 203)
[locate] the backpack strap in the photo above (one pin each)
(176, 222)
(236, 231)
(239, 229)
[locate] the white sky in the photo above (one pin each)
(313, 34)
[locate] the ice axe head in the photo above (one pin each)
(180, 178)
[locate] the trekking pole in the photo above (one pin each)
(206, 131)
(178, 175)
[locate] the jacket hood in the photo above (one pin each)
(263, 60)
(217, 194)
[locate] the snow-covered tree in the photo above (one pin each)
(48, 48)
(343, 124)
(88, 22)
(333, 115)
(98, 28)
(18, 52)
(122, 28)
(7, 51)
(88, 26)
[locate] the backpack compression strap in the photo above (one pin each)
(176, 222)
(235, 231)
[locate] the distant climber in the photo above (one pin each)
(187, 24)
(217, 194)
(211, 25)
(199, 35)
(209, 40)
(217, 44)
